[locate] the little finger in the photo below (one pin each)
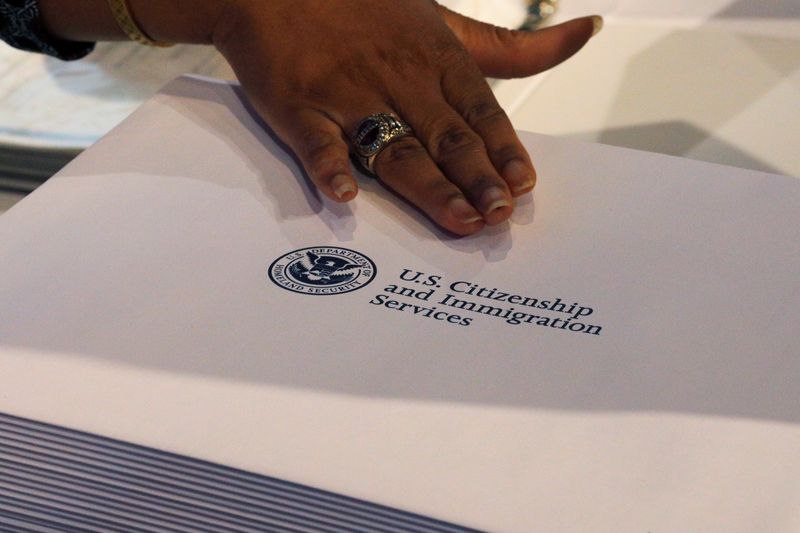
(319, 144)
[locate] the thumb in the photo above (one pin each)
(504, 53)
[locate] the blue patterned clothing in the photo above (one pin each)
(20, 27)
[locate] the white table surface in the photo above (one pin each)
(715, 81)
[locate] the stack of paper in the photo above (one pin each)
(623, 356)
(50, 110)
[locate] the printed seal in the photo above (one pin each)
(322, 270)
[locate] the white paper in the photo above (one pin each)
(59, 105)
(135, 302)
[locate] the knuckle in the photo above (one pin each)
(301, 89)
(404, 149)
(353, 68)
(441, 191)
(448, 51)
(454, 138)
(403, 59)
(507, 152)
(322, 152)
(459, 62)
(325, 169)
(506, 37)
(483, 110)
(482, 182)
(317, 144)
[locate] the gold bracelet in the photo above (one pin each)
(119, 8)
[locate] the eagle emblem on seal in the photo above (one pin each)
(323, 269)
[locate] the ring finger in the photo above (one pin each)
(404, 165)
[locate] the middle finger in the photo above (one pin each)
(458, 151)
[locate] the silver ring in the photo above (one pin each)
(375, 133)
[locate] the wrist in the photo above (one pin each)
(230, 17)
(177, 21)
(174, 21)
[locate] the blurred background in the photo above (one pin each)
(716, 80)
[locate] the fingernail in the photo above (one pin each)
(494, 198)
(342, 186)
(518, 176)
(463, 211)
(597, 24)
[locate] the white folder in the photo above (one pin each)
(181, 285)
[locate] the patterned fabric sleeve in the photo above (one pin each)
(20, 27)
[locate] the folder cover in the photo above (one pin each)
(622, 356)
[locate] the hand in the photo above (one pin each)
(315, 69)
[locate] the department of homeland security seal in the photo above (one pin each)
(322, 270)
